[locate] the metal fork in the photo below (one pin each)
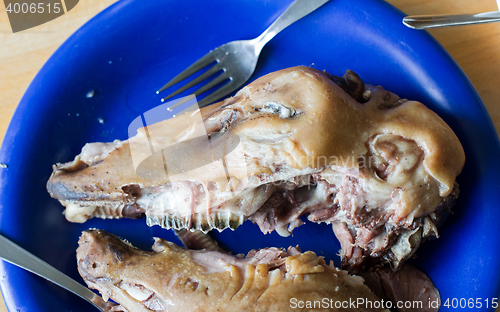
(237, 59)
(16, 255)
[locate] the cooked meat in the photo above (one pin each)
(409, 289)
(172, 278)
(294, 142)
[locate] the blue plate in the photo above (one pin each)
(129, 50)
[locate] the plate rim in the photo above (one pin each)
(11, 132)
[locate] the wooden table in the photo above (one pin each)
(475, 48)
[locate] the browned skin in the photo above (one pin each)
(329, 123)
(175, 282)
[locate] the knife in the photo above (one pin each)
(435, 21)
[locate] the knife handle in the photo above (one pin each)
(435, 21)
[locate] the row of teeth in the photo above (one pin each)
(108, 211)
(216, 220)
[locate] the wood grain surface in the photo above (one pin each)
(476, 49)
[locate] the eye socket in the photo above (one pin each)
(279, 109)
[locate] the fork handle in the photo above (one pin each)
(297, 10)
(434, 21)
(16, 255)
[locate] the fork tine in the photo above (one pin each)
(214, 69)
(225, 89)
(217, 80)
(196, 66)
